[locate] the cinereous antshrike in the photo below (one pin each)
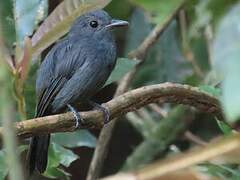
(73, 70)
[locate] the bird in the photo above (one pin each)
(73, 70)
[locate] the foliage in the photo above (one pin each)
(200, 47)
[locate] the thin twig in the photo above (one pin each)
(197, 140)
(158, 110)
(208, 34)
(187, 51)
(120, 105)
(141, 51)
(101, 149)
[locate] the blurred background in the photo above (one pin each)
(199, 45)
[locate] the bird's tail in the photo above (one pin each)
(37, 157)
(38, 153)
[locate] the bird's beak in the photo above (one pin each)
(117, 23)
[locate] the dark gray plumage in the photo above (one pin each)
(74, 69)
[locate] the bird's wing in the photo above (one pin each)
(58, 67)
(48, 95)
(85, 81)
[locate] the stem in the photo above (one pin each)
(19, 96)
(7, 116)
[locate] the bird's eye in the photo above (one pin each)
(94, 24)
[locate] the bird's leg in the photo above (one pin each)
(101, 108)
(76, 115)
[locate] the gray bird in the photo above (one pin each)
(74, 70)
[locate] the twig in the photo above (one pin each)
(158, 110)
(208, 34)
(197, 155)
(101, 149)
(120, 105)
(140, 53)
(187, 51)
(197, 140)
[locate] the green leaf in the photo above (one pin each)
(159, 9)
(211, 90)
(7, 22)
(208, 12)
(59, 21)
(220, 170)
(226, 55)
(60, 155)
(158, 138)
(29, 91)
(75, 139)
(28, 13)
(57, 173)
(225, 128)
(123, 66)
(134, 36)
(3, 165)
(165, 61)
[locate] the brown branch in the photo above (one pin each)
(130, 101)
(161, 168)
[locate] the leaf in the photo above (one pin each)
(165, 61)
(159, 9)
(75, 139)
(158, 138)
(57, 173)
(225, 128)
(210, 90)
(123, 66)
(3, 166)
(190, 174)
(58, 155)
(221, 171)
(208, 12)
(27, 15)
(134, 36)
(29, 91)
(59, 21)
(226, 55)
(7, 22)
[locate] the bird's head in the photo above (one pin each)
(95, 22)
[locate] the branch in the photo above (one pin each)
(158, 170)
(130, 101)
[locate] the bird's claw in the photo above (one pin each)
(76, 115)
(105, 111)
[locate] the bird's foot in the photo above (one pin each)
(79, 121)
(105, 111)
(77, 117)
